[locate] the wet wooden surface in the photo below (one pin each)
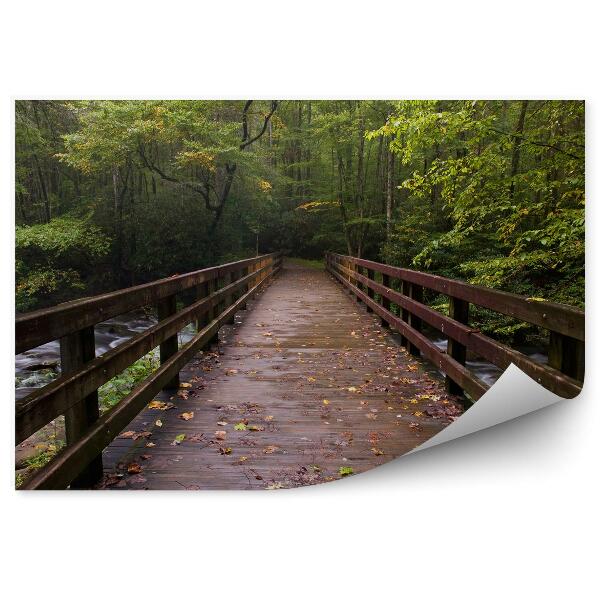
(313, 383)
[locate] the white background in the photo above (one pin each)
(511, 512)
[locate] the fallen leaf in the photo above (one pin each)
(159, 405)
(220, 435)
(352, 389)
(270, 449)
(133, 468)
(377, 452)
(231, 371)
(178, 439)
(150, 445)
(158, 423)
(325, 402)
(255, 428)
(225, 450)
(186, 416)
(269, 418)
(185, 385)
(343, 471)
(240, 427)
(222, 423)
(276, 485)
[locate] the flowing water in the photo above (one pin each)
(487, 372)
(39, 366)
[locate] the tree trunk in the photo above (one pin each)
(389, 197)
(517, 141)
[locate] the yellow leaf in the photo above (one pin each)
(186, 416)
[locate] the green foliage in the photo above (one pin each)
(54, 259)
(484, 201)
(114, 193)
(113, 391)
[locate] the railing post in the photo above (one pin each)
(385, 302)
(244, 289)
(567, 354)
(370, 292)
(75, 350)
(415, 293)
(405, 290)
(358, 284)
(202, 291)
(212, 312)
(459, 311)
(167, 307)
(231, 298)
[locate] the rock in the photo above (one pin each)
(47, 364)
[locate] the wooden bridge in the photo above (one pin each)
(307, 386)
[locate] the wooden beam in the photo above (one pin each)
(76, 349)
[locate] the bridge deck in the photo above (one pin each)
(313, 383)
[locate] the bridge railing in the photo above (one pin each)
(396, 295)
(219, 292)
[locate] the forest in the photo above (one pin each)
(111, 194)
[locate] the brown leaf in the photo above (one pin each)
(186, 416)
(220, 435)
(159, 405)
(133, 468)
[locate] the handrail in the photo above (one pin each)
(35, 328)
(564, 373)
(220, 292)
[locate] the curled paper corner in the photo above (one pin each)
(513, 395)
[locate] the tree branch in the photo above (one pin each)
(536, 143)
(245, 141)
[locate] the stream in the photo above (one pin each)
(39, 366)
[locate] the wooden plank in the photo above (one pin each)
(495, 352)
(567, 355)
(404, 313)
(47, 403)
(385, 301)
(561, 318)
(462, 376)
(75, 350)
(63, 469)
(38, 327)
(167, 307)
(415, 292)
(368, 288)
(458, 310)
(299, 444)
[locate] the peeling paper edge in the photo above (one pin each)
(514, 394)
